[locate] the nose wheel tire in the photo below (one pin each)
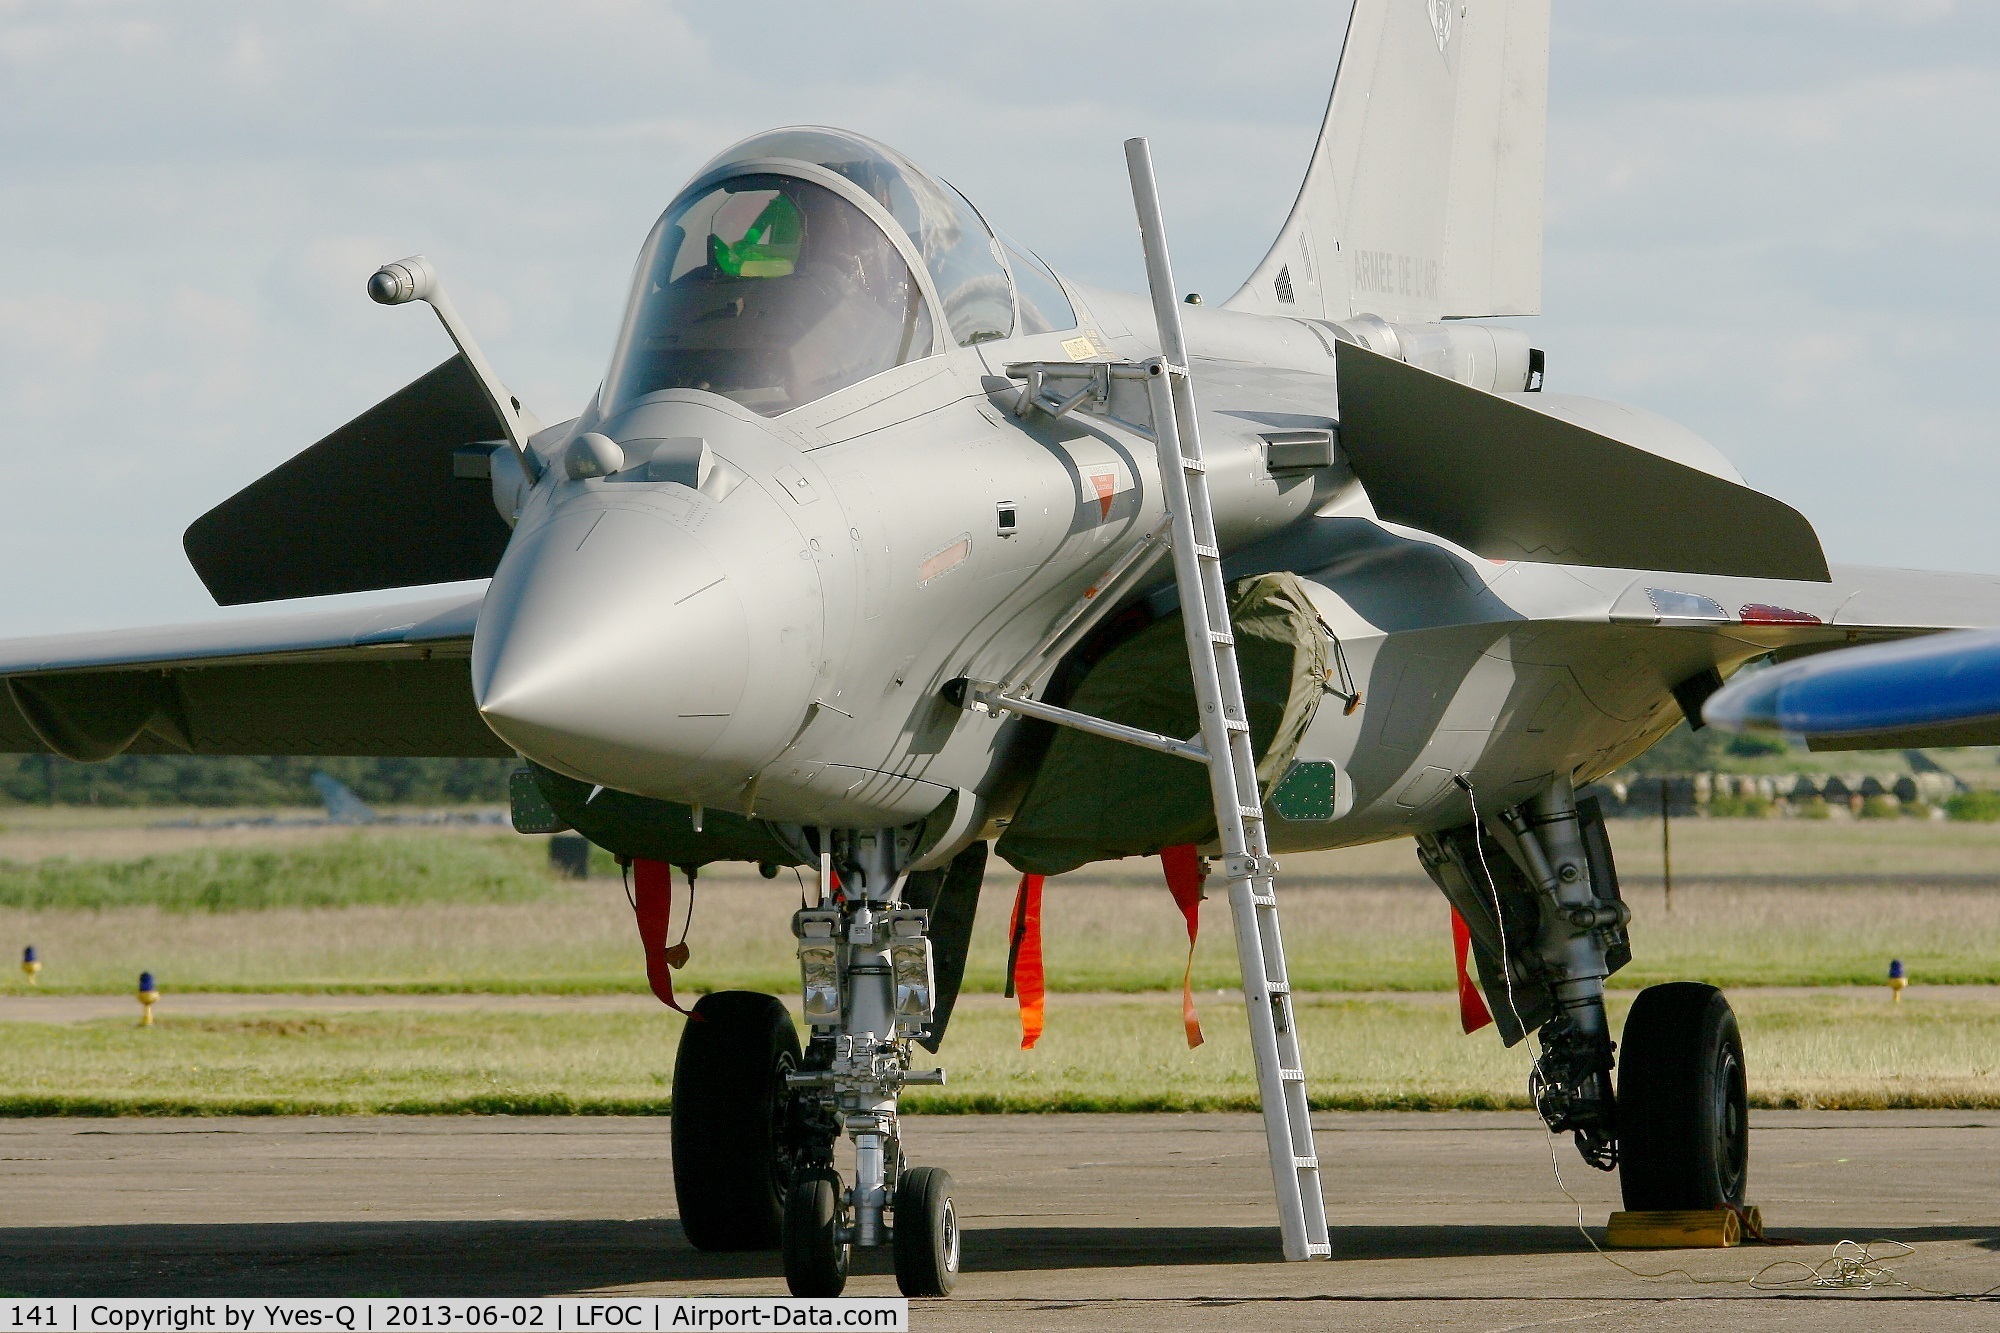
(926, 1236)
(1683, 1118)
(815, 1247)
(733, 1162)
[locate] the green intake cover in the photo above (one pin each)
(1307, 793)
(1094, 799)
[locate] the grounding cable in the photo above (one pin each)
(1853, 1265)
(1464, 781)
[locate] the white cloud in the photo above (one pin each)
(51, 334)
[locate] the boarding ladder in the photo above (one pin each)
(1159, 391)
(1225, 737)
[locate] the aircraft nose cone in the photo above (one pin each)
(612, 646)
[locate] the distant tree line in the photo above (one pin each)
(232, 780)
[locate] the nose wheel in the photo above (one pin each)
(816, 1231)
(926, 1233)
(923, 1239)
(1683, 1106)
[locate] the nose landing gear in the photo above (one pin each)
(755, 1119)
(870, 986)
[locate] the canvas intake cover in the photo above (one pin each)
(1094, 799)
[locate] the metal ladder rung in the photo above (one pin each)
(1241, 827)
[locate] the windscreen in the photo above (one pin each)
(770, 291)
(1044, 308)
(957, 247)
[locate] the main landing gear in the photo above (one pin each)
(1539, 893)
(735, 1144)
(755, 1119)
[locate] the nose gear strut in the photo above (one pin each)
(869, 981)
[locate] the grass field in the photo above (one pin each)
(1098, 937)
(357, 870)
(1099, 1053)
(424, 910)
(1756, 904)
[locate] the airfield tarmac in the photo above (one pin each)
(1105, 1222)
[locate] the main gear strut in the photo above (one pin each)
(1577, 932)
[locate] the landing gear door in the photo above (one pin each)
(1475, 885)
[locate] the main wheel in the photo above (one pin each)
(1683, 1115)
(815, 1247)
(732, 1158)
(926, 1237)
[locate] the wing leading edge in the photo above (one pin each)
(390, 681)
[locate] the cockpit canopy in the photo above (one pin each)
(772, 280)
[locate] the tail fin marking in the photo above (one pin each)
(1423, 199)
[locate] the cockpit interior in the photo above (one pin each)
(805, 260)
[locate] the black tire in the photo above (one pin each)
(815, 1251)
(926, 1234)
(732, 1156)
(1683, 1115)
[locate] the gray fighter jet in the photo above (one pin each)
(882, 543)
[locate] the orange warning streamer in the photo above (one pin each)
(1024, 958)
(1183, 869)
(1472, 1014)
(653, 905)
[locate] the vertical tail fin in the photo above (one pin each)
(342, 805)
(1424, 196)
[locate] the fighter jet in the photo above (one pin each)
(882, 544)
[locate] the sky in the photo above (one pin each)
(1772, 220)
